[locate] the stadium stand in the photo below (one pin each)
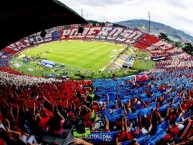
(154, 107)
(138, 108)
(146, 41)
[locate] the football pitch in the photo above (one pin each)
(78, 59)
(85, 55)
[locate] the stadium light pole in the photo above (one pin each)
(82, 11)
(149, 21)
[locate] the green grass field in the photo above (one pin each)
(88, 57)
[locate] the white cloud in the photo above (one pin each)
(175, 13)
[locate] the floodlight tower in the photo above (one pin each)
(82, 13)
(149, 27)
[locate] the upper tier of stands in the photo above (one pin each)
(137, 38)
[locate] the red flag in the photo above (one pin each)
(141, 78)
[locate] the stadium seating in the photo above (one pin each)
(156, 93)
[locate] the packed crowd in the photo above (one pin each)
(29, 111)
(22, 80)
(155, 112)
(158, 111)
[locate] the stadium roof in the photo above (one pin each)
(20, 18)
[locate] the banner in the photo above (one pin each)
(157, 58)
(56, 35)
(141, 78)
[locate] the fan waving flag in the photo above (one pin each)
(141, 78)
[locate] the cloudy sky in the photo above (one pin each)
(175, 13)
